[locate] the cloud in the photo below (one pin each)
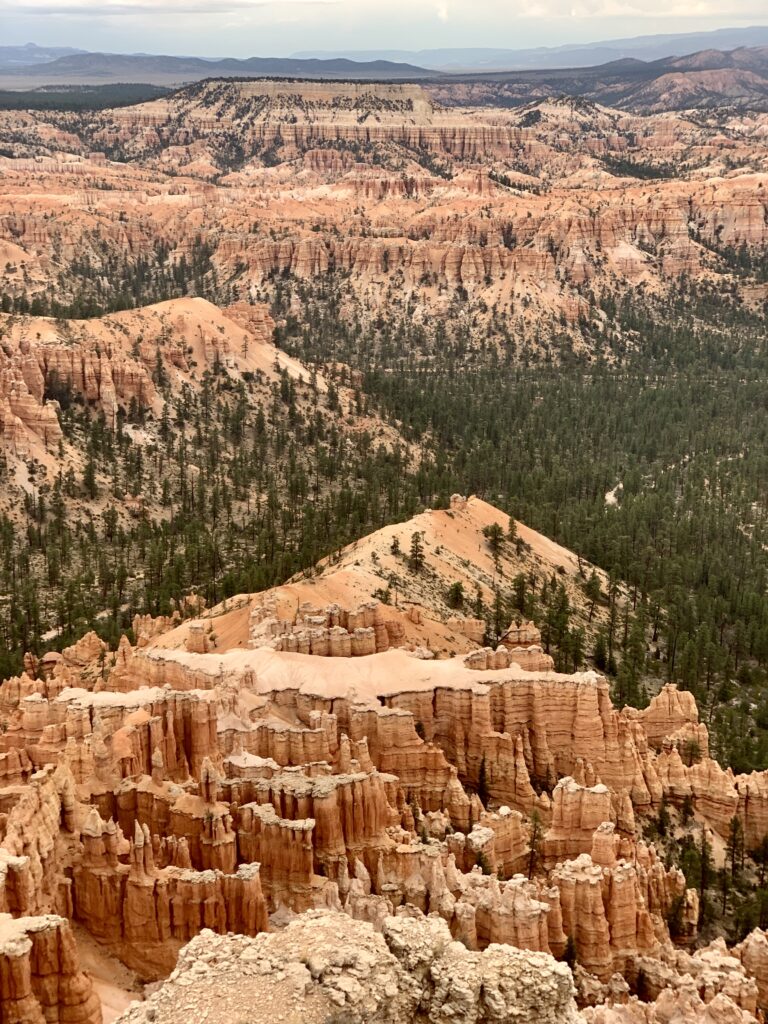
(603, 10)
(242, 27)
(493, 14)
(110, 8)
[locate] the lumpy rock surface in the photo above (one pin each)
(325, 967)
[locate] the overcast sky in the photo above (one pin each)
(241, 28)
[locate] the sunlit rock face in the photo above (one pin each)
(185, 785)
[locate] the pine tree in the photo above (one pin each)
(498, 619)
(600, 654)
(416, 556)
(734, 851)
(89, 478)
(705, 875)
(576, 647)
(535, 840)
(592, 591)
(494, 534)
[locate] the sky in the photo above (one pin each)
(243, 28)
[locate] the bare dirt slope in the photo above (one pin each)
(455, 551)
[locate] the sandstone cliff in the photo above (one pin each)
(172, 787)
(103, 364)
(41, 980)
(527, 210)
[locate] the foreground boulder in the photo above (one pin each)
(325, 967)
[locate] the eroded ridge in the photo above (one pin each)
(154, 792)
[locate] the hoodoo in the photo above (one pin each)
(300, 721)
(180, 790)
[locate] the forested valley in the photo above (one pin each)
(655, 468)
(252, 338)
(650, 461)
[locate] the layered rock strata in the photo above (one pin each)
(40, 978)
(156, 791)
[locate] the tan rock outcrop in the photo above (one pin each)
(672, 713)
(40, 979)
(145, 909)
(411, 968)
(615, 913)
(191, 789)
(753, 953)
(577, 811)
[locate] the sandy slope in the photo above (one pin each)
(116, 986)
(455, 550)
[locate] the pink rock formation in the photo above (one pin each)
(145, 909)
(40, 979)
(753, 953)
(195, 789)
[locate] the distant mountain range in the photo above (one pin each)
(103, 68)
(708, 77)
(574, 55)
(704, 80)
(32, 56)
(43, 65)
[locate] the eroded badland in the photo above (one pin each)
(321, 764)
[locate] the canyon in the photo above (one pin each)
(110, 365)
(291, 732)
(533, 214)
(208, 781)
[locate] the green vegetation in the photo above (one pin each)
(671, 405)
(80, 97)
(733, 899)
(689, 532)
(111, 282)
(255, 482)
(416, 555)
(626, 167)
